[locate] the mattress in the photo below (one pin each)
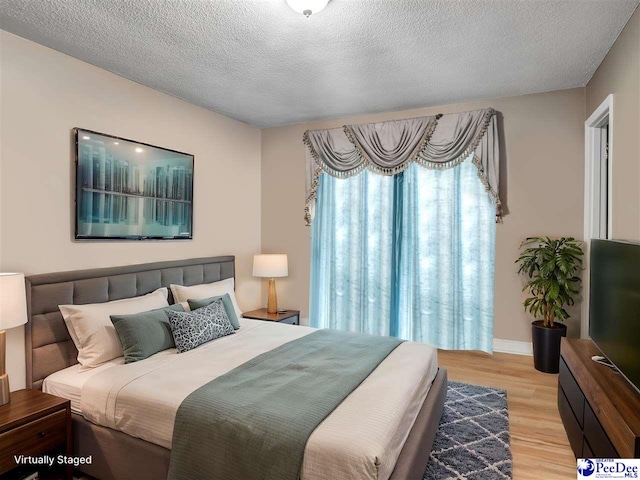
(362, 438)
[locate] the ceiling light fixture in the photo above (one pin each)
(307, 7)
(86, 137)
(139, 150)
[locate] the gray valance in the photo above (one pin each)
(388, 148)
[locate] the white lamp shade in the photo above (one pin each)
(270, 265)
(13, 300)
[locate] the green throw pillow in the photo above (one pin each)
(226, 301)
(146, 333)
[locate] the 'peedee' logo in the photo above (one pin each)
(608, 468)
(586, 467)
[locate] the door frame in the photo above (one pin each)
(603, 115)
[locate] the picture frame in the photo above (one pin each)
(130, 190)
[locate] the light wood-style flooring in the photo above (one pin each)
(538, 441)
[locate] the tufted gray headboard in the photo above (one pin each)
(49, 347)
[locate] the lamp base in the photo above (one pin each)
(5, 394)
(272, 301)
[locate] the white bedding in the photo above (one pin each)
(68, 383)
(361, 439)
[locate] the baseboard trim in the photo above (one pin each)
(512, 346)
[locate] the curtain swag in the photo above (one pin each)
(388, 148)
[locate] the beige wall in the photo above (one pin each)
(544, 142)
(44, 95)
(619, 74)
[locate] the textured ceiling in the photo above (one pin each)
(262, 63)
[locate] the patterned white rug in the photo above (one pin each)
(472, 441)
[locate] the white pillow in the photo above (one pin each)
(93, 333)
(206, 290)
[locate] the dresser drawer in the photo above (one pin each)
(586, 450)
(598, 440)
(571, 389)
(34, 438)
(574, 432)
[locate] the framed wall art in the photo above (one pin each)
(129, 190)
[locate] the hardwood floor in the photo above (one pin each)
(538, 440)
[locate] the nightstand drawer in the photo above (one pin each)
(34, 438)
(291, 320)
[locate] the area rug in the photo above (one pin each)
(472, 441)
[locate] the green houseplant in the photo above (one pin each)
(552, 266)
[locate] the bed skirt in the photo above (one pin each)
(118, 456)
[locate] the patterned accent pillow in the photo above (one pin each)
(192, 329)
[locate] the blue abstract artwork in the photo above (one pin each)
(130, 190)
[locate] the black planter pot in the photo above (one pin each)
(546, 346)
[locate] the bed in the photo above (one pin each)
(134, 439)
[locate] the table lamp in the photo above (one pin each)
(13, 312)
(271, 266)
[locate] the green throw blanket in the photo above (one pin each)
(254, 422)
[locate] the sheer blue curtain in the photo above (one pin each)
(352, 244)
(410, 255)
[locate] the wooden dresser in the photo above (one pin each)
(600, 410)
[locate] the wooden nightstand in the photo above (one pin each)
(292, 317)
(34, 424)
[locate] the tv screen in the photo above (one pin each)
(614, 306)
(128, 190)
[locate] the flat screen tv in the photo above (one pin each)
(614, 305)
(128, 190)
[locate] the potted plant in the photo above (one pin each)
(552, 266)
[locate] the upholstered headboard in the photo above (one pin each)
(49, 347)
